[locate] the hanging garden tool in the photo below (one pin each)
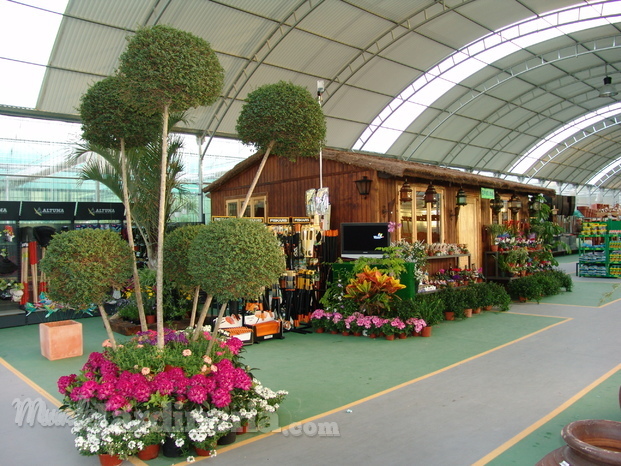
(26, 236)
(43, 235)
(33, 259)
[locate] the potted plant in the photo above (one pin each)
(515, 261)
(501, 297)
(429, 308)
(166, 70)
(282, 118)
(320, 320)
(393, 326)
(232, 259)
(176, 247)
(495, 230)
(525, 289)
(373, 290)
(84, 266)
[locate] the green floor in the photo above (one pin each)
(325, 372)
(602, 402)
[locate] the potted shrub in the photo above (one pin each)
(282, 118)
(84, 266)
(167, 70)
(450, 302)
(501, 297)
(232, 259)
(176, 247)
(485, 296)
(525, 289)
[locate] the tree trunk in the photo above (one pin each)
(197, 291)
(130, 239)
(159, 291)
(214, 332)
(201, 319)
(106, 321)
(270, 146)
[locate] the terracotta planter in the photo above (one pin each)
(467, 312)
(389, 337)
(62, 339)
(109, 460)
(476, 310)
(416, 334)
(334, 332)
(589, 443)
(201, 452)
(319, 330)
(150, 318)
(345, 333)
(357, 334)
(426, 331)
(372, 335)
(487, 308)
(149, 452)
(449, 315)
(402, 336)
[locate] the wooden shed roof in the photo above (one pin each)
(398, 169)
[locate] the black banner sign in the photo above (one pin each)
(47, 210)
(100, 211)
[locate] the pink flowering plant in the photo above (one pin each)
(392, 326)
(140, 382)
(321, 319)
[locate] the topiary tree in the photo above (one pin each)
(168, 70)
(111, 122)
(84, 266)
(176, 247)
(233, 259)
(282, 118)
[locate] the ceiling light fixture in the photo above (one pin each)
(608, 89)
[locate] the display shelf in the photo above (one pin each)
(599, 251)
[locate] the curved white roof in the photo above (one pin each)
(502, 86)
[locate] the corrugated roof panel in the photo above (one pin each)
(345, 23)
(63, 90)
(88, 48)
(304, 51)
(227, 30)
(119, 13)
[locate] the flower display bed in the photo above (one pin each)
(137, 395)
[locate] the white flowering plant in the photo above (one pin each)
(209, 426)
(101, 433)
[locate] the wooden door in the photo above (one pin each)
(468, 231)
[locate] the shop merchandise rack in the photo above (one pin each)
(600, 250)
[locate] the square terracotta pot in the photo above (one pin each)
(62, 339)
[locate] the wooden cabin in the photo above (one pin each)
(280, 192)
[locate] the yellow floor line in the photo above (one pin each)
(611, 302)
(30, 383)
(529, 430)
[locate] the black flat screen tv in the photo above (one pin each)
(363, 239)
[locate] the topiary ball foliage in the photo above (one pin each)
(235, 258)
(83, 266)
(284, 113)
(107, 117)
(176, 248)
(166, 66)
